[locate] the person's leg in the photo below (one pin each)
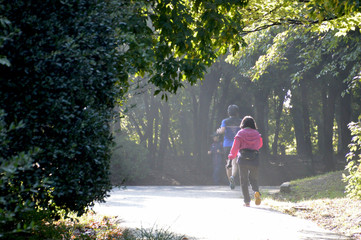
(233, 171)
(234, 168)
(228, 172)
(215, 171)
(253, 178)
(243, 172)
(229, 169)
(218, 166)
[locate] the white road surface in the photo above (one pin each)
(206, 212)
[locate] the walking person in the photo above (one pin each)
(216, 151)
(229, 127)
(246, 146)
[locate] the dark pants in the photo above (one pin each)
(249, 174)
(218, 166)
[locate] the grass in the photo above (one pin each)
(329, 185)
(95, 227)
(321, 199)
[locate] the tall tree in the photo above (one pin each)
(164, 133)
(328, 112)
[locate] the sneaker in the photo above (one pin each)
(257, 198)
(231, 182)
(246, 205)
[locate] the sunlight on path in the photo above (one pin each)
(205, 212)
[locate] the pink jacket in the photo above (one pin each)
(246, 138)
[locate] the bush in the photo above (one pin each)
(58, 81)
(353, 180)
(128, 162)
(18, 213)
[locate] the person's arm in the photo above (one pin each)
(235, 148)
(221, 130)
(210, 150)
(260, 143)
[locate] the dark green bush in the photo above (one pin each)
(18, 211)
(60, 85)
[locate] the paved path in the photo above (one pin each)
(206, 212)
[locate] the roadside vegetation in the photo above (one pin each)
(94, 227)
(323, 200)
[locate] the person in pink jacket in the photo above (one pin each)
(245, 147)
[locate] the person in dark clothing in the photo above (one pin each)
(216, 151)
(246, 144)
(229, 127)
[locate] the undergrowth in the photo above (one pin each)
(329, 185)
(323, 200)
(94, 227)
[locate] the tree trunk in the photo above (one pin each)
(173, 145)
(279, 109)
(320, 136)
(186, 134)
(261, 105)
(150, 117)
(137, 128)
(212, 123)
(164, 134)
(207, 90)
(195, 122)
(296, 112)
(345, 119)
(328, 110)
(345, 113)
(156, 112)
(306, 122)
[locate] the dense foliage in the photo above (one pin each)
(17, 196)
(173, 41)
(60, 85)
(354, 165)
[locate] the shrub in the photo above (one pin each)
(58, 81)
(353, 180)
(18, 211)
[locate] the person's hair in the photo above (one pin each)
(248, 122)
(233, 110)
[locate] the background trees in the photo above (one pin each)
(296, 76)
